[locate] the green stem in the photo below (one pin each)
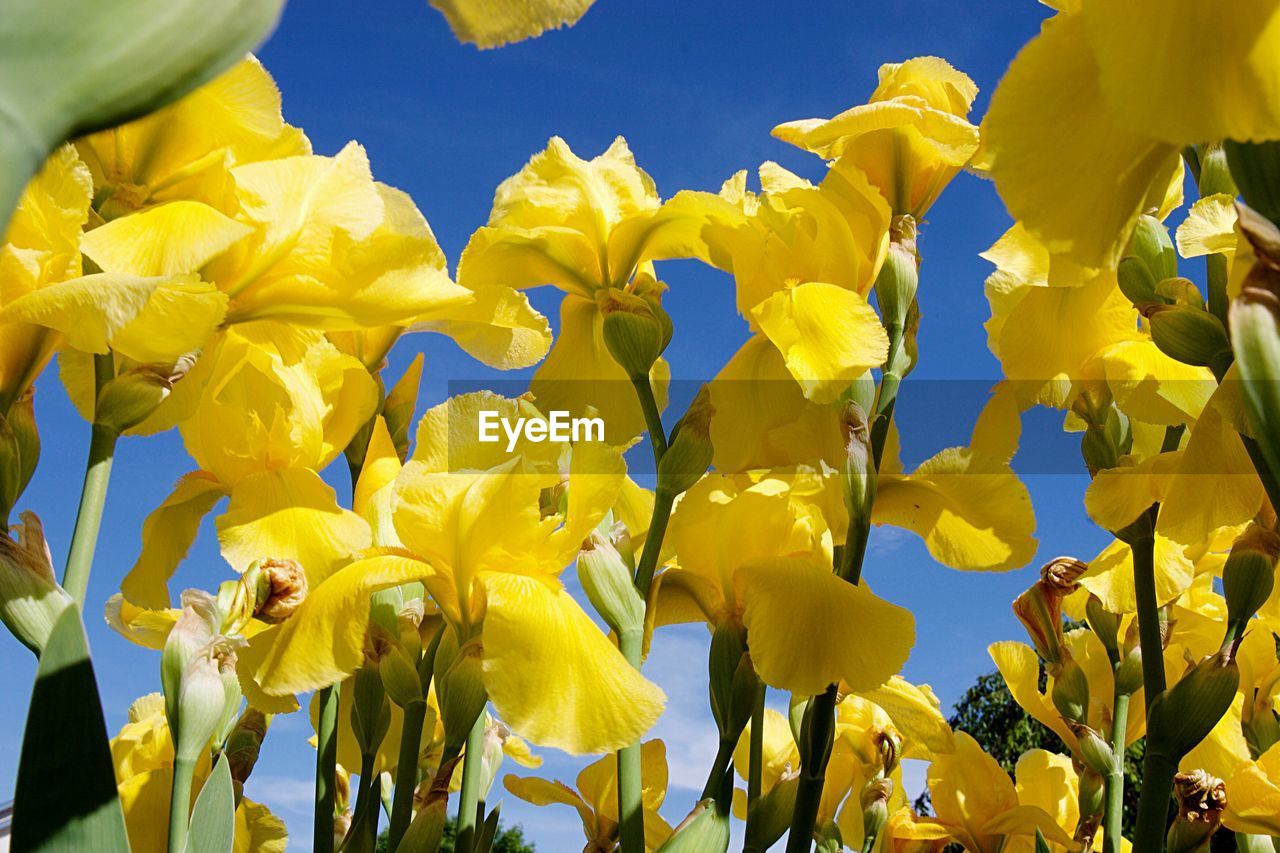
(326, 768)
(1112, 820)
(630, 766)
(180, 804)
(652, 417)
(755, 759)
(1216, 276)
(1153, 803)
(469, 797)
(662, 504)
(719, 767)
(93, 495)
(406, 772)
(820, 719)
(1149, 627)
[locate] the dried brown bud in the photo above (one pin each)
(286, 587)
(1201, 796)
(1039, 609)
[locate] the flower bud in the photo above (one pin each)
(899, 277)
(459, 689)
(689, 455)
(636, 328)
(705, 830)
(1255, 332)
(1106, 440)
(1095, 752)
(1201, 800)
(1070, 692)
(208, 695)
(281, 591)
(1039, 609)
(245, 743)
(875, 806)
(1179, 292)
(1104, 624)
(131, 397)
(30, 599)
(733, 682)
(1136, 281)
(1255, 169)
(770, 815)
(192, 633)
(858, 472)
(607, 580)
(1189, 335)
(1185, 713)
(1129, 674)
(1249, 575)
(400, 677)
(370, 711)
(1091, 802)
(1151, 243)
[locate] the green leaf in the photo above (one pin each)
(66, 792)
(213, 820)
(68, 67)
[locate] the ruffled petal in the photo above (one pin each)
(167, 535)
(498, 326)
(493, 23)
(177, 238)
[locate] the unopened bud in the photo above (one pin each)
(705, 830)
(131, 398)
(370, 711)
(1184, 714)
(1136, 281)
(1129, 674)
(1039, 609)
(1179, 292)
(1095, 752)
(875, 806)
(607, 580)
(208, 695)
(1255, 168)
(1070, 692)
(899, 277)
(245, 743)
(1091, 801)
(1151, 243)
(770, 815)
(1249, 575)
(400, 677)
(689, 455)
(195, 628)
(1104, 624)
(1201, 800)
(30, 599)
(733, 682)
(858, 473)
(459, 689)
(636, 328)
(1189, 335)
(284, 587)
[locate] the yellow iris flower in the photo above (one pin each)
(277, 405)
(41, 248)
(803, 259)
(1253, 796)
(596, 797)
(910, 138)
(1097, 107)
(753, 557)
(143, 756)
(586, 227)
(982, 809)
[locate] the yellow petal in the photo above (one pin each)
(169, 239)
(146, 319)
(968, 789)
(1066, 166)
(827, 335)
(554, 677)
(492, 23)
(1117, 496)
(1047, 781)
(971, 510)
(544, 792)
(258, 830)
(917, 713)
(147, 628)
(323, 641)
(1020, 669)
(598, 781)
(1110, 575)
(1210, 227)
(167, 535)
(1152, 387)
(1224, 750)
(1186, 72)
(145, 801)
(865, 639)
(290, 514)
(1253, 796)
(579, 373)
(498, 326)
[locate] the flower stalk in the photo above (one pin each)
(469, 796)
(326, 768)
(93, 495)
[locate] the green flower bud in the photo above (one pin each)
(193, 632)
(1189, 335)
(1070, 692)
(370, 710)
(1091, 801)
(400, 679)
(1129, 674)
(1255, 168)
(899, 277)
(733, 682)
(1104, 624)
(636, 328)
(1136, 281)
(459, 689)
(610, 587)
(1151, 243)
(1254, 316)
(689, 455)
(705, 830)
(1095, 752)
(770, 815)
(208, 697)
(858, 473)
(30, 599)
(1106, 439)
(1185, 713)
(1179, 291)
(1215, 171)
(1201, 800)
(875, 806)
(1248, 576)
(132, 396)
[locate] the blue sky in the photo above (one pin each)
(695, 87)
